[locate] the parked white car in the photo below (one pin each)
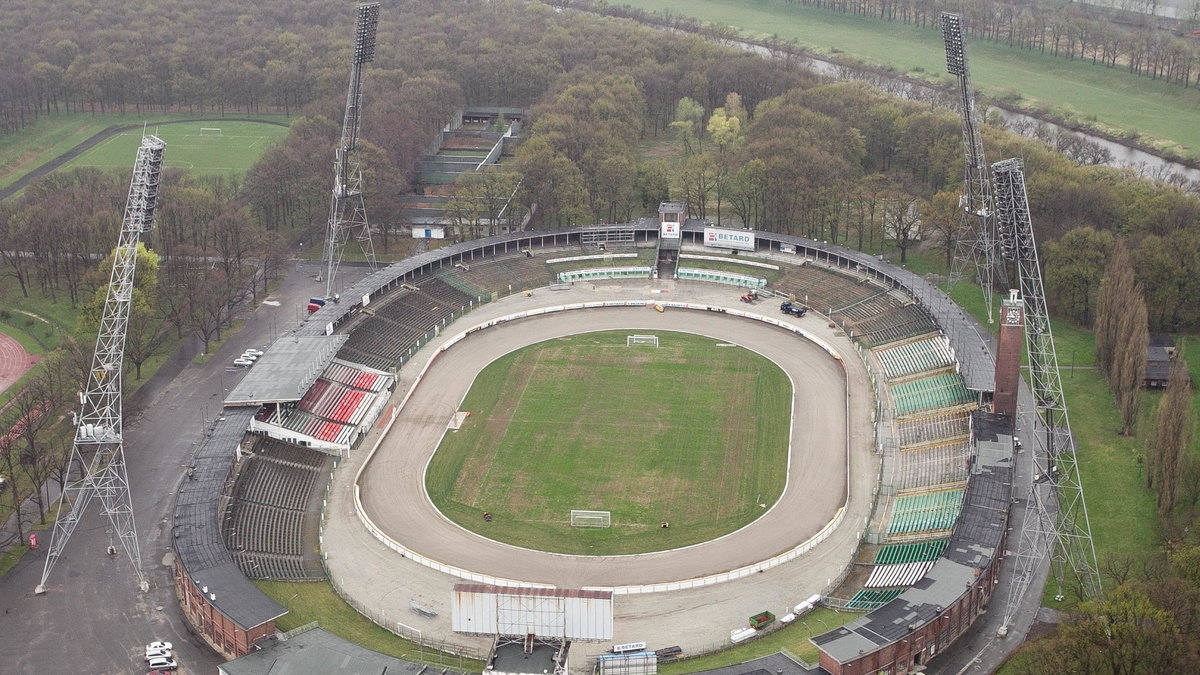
(163, 663)
(152, 654)
(256, 352)
(243, 362)
(159, 644)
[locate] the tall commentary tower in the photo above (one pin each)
(1010, 343)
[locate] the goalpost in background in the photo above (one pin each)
(641, 340)
(210, 132)
(591, 518)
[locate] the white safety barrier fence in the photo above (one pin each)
(740, 573)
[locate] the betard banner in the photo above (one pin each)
(721, 238)
(670, 231)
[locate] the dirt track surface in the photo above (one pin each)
(816, 477)
(14, 361)
(384, 584)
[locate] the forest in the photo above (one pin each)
(622, 117)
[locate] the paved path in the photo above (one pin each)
(93, 619)
(383, 583)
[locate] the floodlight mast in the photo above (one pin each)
(974, 245)
(98, 450)
(1056, 523)
(347, 211)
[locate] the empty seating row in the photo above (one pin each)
(866, 600)
(824, 289)
(337, 402)
(934, 427)
(276, 450)
(269, 529)
(720, 277)
(901, 574)
(907, 553)
(928, 511)
(447, 294)
(915, 357)
(931, 465)
(895, 324)
(368, 359)
(866, 308)
(940, 391)
(260, 565)
(311, 425)
(504, 275)
(275, 484)
(343, 373)
(592, 274)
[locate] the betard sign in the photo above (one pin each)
(722, 238)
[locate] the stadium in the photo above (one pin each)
(317, 468)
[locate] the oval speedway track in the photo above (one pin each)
(392, 483)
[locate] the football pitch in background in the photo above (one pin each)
(208, 147)
(693, 433)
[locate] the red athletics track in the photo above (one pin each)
(14, 361)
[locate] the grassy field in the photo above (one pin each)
(584, 422)
(237, 148)
(793, 638)
(53, 135)
(308, 602)
(1112, 98)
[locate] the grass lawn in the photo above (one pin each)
(793, 638)
(584, 422)
(1121, 511)
(1111, 97)
(53, 135)
(237, 148)
(308, 602)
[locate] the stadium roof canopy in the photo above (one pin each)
(291, 365)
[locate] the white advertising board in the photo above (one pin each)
(549, 612)
(722, 238)
(670, 231)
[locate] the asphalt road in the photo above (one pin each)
(92, 618)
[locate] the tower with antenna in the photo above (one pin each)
(974, 246)
(1056, 524)
(347, 212)
(97, 459)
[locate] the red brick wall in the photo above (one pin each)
(218, 630)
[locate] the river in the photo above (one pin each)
(1117, 155)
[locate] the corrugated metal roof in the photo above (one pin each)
(197, 527)
(288, 368)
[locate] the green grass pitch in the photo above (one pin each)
(690, 433)
(237, 148)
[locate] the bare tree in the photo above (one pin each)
(1122, 335)
(1173, 438)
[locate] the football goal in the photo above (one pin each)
(210, 132)
(641, 340)
(590, 518)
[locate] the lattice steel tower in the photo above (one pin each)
(974, 246)
(1056, 520)
(98, 453)
(347, 212)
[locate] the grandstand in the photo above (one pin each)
(915, 357)
(271, 523)
(873, 300)
(936, 392)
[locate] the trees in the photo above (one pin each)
(1172, 438)
(1122, 335)
(1073, 267)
